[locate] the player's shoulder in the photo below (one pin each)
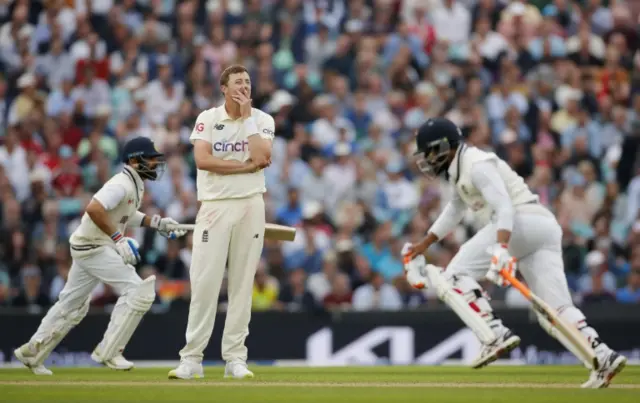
(261, 115)
(120, 179)
(210, 113)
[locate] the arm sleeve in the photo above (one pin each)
(266, 127)
(486, 178)
(136, 220)
(202, 129)
(109, 196)
(450, 217)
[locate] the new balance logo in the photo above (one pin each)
(219, 127)
(205, 236)
(256, 236)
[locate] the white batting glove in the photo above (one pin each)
(162, 225)
(128, 249)
(414, 270)
(501, 259)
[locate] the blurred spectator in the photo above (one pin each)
(265, 289)
(598, 284)
(630, 294)
(31, 294)
(171, 264)
(376, 296)
(340, 296)
(319, 284)
(294, 295)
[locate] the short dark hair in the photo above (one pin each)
(233, 69)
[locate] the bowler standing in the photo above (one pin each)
(232, 145)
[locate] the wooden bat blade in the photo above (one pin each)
(271, 231)
(279, 232)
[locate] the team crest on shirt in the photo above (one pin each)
(219, 127)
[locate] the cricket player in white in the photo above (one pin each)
(232, 144)
(520, 230)
(100, 252)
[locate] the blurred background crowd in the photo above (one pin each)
(553, 87)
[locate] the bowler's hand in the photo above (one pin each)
(244, 102)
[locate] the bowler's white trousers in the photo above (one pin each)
(536, 241)
(230, 229)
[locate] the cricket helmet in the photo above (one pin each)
(435, 139)
(149, 162)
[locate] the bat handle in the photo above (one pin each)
(516, 283)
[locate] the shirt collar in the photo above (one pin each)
(454, 167)
(137, 180)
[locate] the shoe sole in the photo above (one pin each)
(621, 363)
(96, 359)
(172, 375)
(24, 362)
(506, 347)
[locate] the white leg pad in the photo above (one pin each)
(126, 317)
(56, 324)
(466, 298)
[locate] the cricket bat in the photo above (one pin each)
(271, 231)
(575, 341)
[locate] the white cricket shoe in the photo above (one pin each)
(26, 355)
(237, 370)
(187, 370)
(118, 363)
(491, 352)
(610, 366)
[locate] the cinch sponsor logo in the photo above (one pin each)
(223, 146)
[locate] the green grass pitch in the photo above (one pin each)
(496, 384)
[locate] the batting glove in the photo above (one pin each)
(163, 226)
(501, 259)
(414, 270)
(128, 249)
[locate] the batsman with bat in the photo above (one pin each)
(520, 230)
(101, 252)
(232, 145)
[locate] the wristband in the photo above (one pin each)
(250, 126)
(116, 236)
(155, 221)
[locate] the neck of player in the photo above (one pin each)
(232, 108)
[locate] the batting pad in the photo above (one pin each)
(126, 317)
(460, 305)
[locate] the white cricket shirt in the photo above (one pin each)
(229, 142)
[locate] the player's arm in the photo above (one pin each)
(106, 199)
(486, 178)
(202, 140)
(445, 223)
(260, 135)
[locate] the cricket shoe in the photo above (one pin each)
(237, 370)
(26, 355)
(187, 370)
(610, 366)
(118, 363)
(491, 352)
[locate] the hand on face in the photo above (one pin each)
(245, 103)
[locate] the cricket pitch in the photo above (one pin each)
(331, 385)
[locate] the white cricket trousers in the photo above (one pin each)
(230, 229)
(536, 241)
(89, 267)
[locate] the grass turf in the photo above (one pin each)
(330, 385)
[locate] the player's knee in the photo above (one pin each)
(142, 296)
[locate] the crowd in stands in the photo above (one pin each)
(553, 87)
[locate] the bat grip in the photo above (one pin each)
(516, 283)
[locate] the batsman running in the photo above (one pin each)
(232, 146)
(101, 252)
(520, 230)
